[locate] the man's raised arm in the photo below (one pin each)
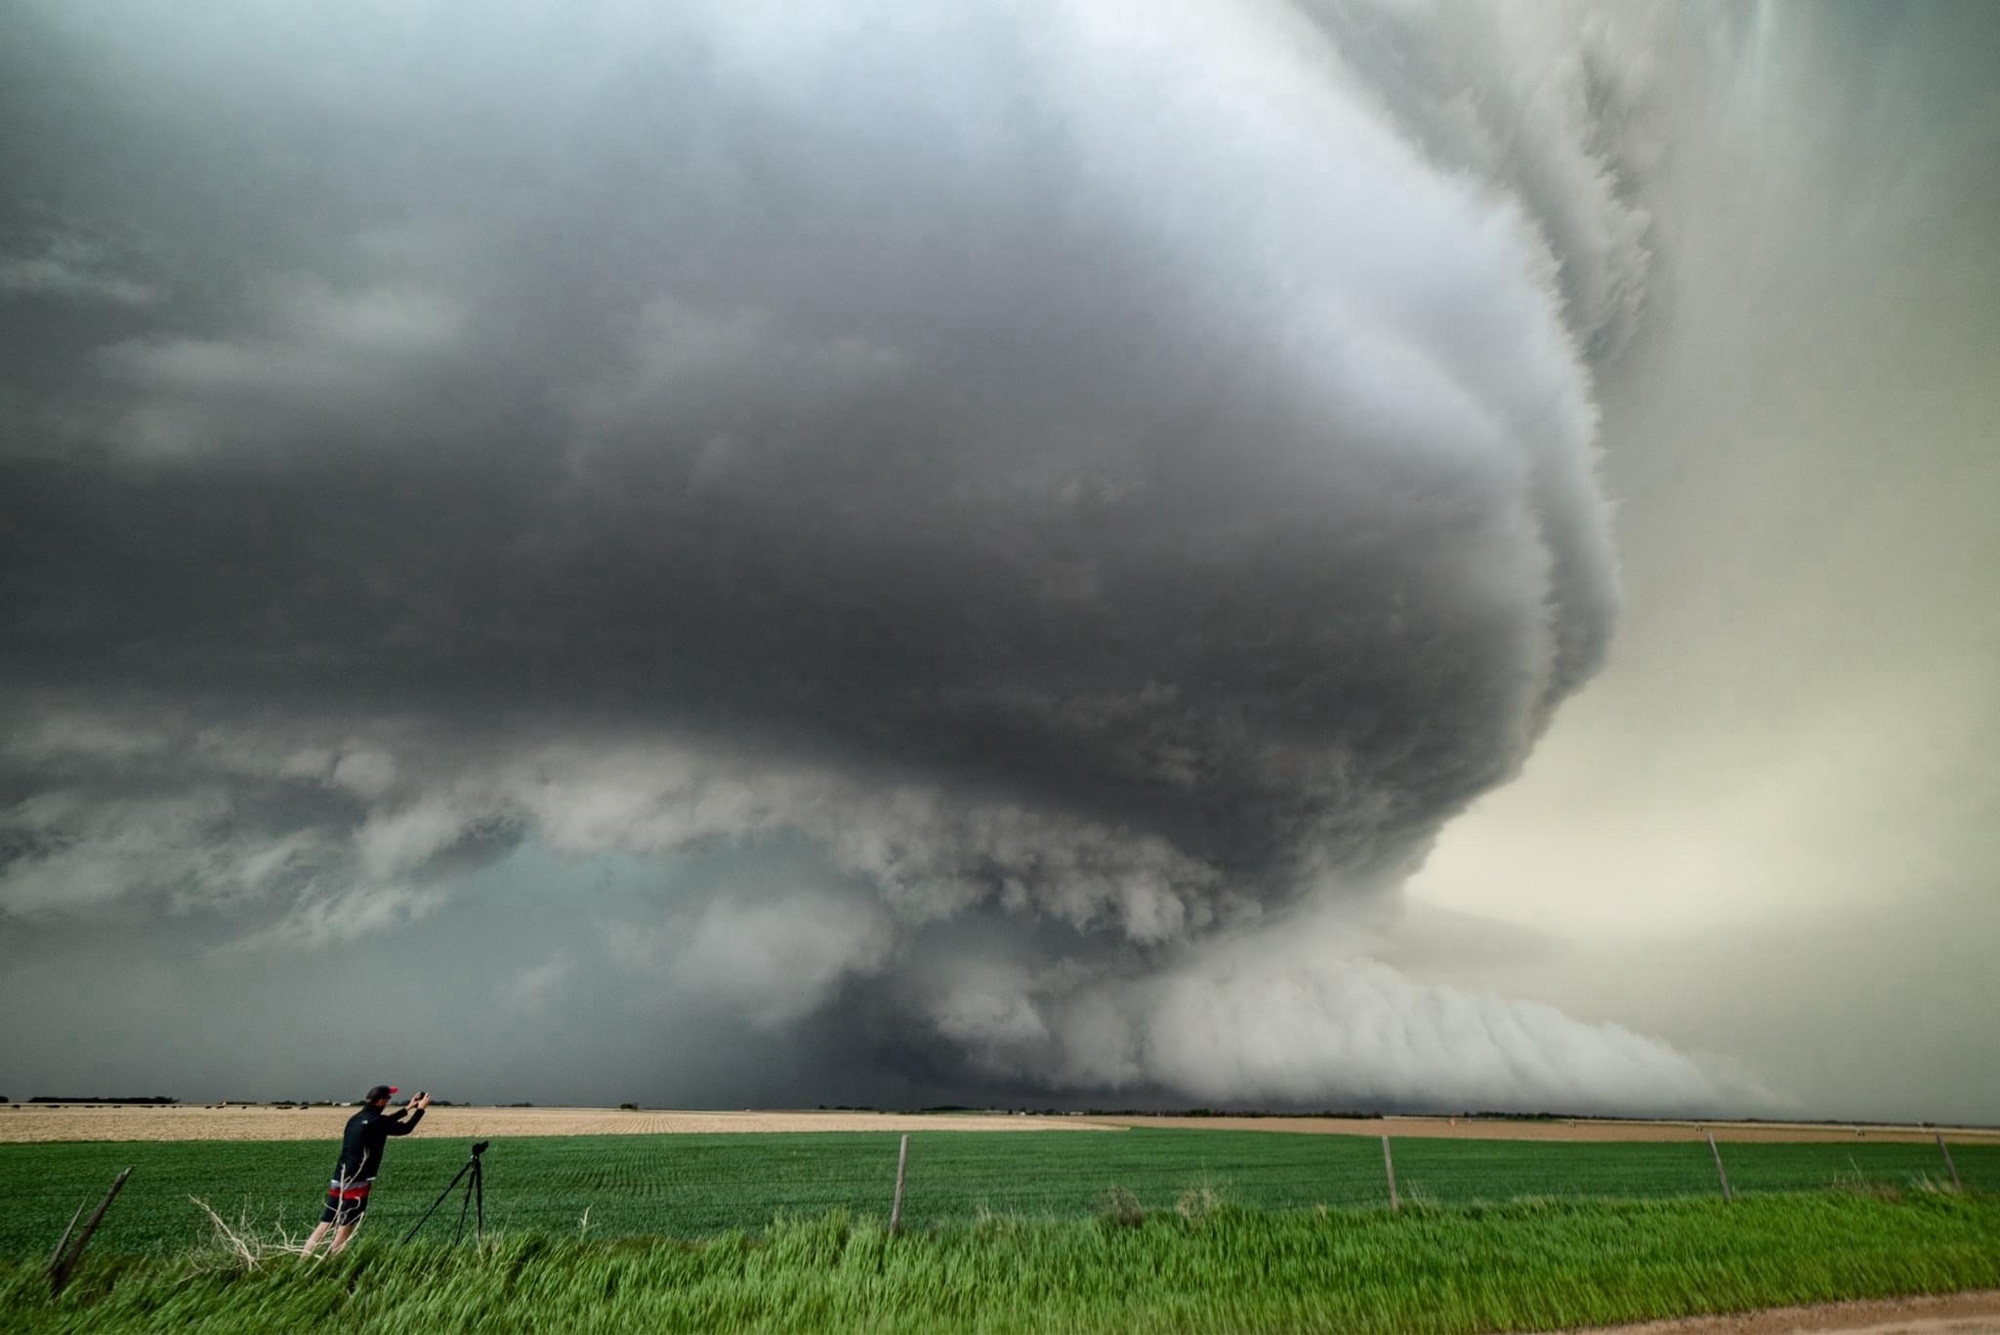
(405, 1121)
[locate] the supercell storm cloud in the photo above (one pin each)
(1108, 482)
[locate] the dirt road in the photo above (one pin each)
(1946, 1314)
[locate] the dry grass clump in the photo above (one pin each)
(243, 1246)
(1198, 1202)
(1122, 1208)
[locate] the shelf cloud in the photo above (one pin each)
(1108, 481)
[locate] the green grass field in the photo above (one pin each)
(702, 1185)
(1522, 1266)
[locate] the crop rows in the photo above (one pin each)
(702, 1185)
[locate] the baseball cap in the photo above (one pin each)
(379, 1092)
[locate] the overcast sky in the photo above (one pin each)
(1316, 555)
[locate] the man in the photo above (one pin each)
(360, 1158)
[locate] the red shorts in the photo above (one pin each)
(345, 1203)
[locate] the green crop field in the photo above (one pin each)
(1522, 1266)
(700, 1185)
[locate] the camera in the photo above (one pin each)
(479, 1147)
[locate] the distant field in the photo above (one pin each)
(24, 1123)
(699, 1185)
(1568, 1128)
(1526, 1266)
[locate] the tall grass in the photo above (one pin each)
(1207, 1267)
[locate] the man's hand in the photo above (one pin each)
(421, 1101)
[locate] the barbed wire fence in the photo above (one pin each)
(923, 1179)
(695, 1186)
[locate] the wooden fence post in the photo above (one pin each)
(59, 1272)
(1956, 1185)
(896, 1210)
(1389, 1166)
(1717, 1154)
(63, 1241)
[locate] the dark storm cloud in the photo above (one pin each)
(1105, 474)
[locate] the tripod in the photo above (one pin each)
(475, 1191)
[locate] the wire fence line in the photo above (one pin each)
(702, 1185)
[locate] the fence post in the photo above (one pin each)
(1956, 1185)
(1717, 1154)
(59, 1271)
(896, 1210)
(63, 1241)
(1389, 1167)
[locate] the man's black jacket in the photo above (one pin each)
(367, 1132)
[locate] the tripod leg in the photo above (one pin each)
(479, 1190)
(465, 1204)
(434, 1204)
